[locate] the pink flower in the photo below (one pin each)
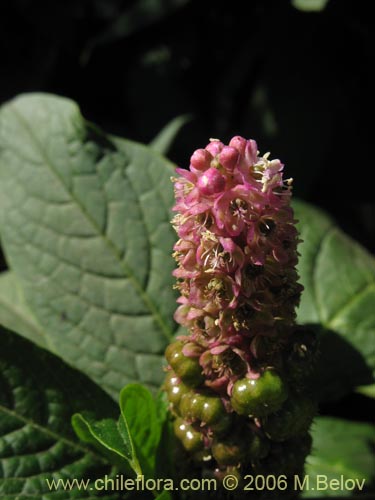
(236, 258)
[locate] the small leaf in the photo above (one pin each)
(103, 431)
(340, 448)
(139, 411)
(366, 390)
(310, 5)
(339, 296)
(14, 312)
(164, 140)
(38, 395)
(85, 226)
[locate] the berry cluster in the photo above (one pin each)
(236, 382)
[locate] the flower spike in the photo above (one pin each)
(228, 378)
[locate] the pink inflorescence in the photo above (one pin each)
(236, 258)
(236, 382)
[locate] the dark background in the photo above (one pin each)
(298, 82)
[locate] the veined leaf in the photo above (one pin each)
(38, 395)
(339, 297)
(109, 434)
(14, 312)
(84, 220)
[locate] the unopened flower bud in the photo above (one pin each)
(211, 182)
(200, 159)
(214, 147)
(229, 158)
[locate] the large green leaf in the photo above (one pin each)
(84, 220)
(38, 395)
(340, 449)
(339, 297)
(14, 312)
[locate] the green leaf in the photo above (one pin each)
(108, 434)
(38, 395)
(104, 432)
(340, 448)
(339, 296)
(14, 312)
(140, 413)
(84, 220)
(310, 5)
(164, 140)
(366, 390)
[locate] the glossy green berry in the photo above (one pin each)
(190, 405)
(259, 397)
(175, 389)
(187, 368)
(205, 408)
(192, 440)
(212, 410)
(293, 419)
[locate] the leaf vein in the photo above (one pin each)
(353, 299)
(111, 246)
(48, 432)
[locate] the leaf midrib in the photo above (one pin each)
(348, 304)
(110, 245)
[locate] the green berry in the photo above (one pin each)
(259, 397)
(207, 409)
(240, 447)
(191, 439)
(190, 405)
(230, 451)
(188, 369)
(175, 389)
(293, 419)
(212, 410)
